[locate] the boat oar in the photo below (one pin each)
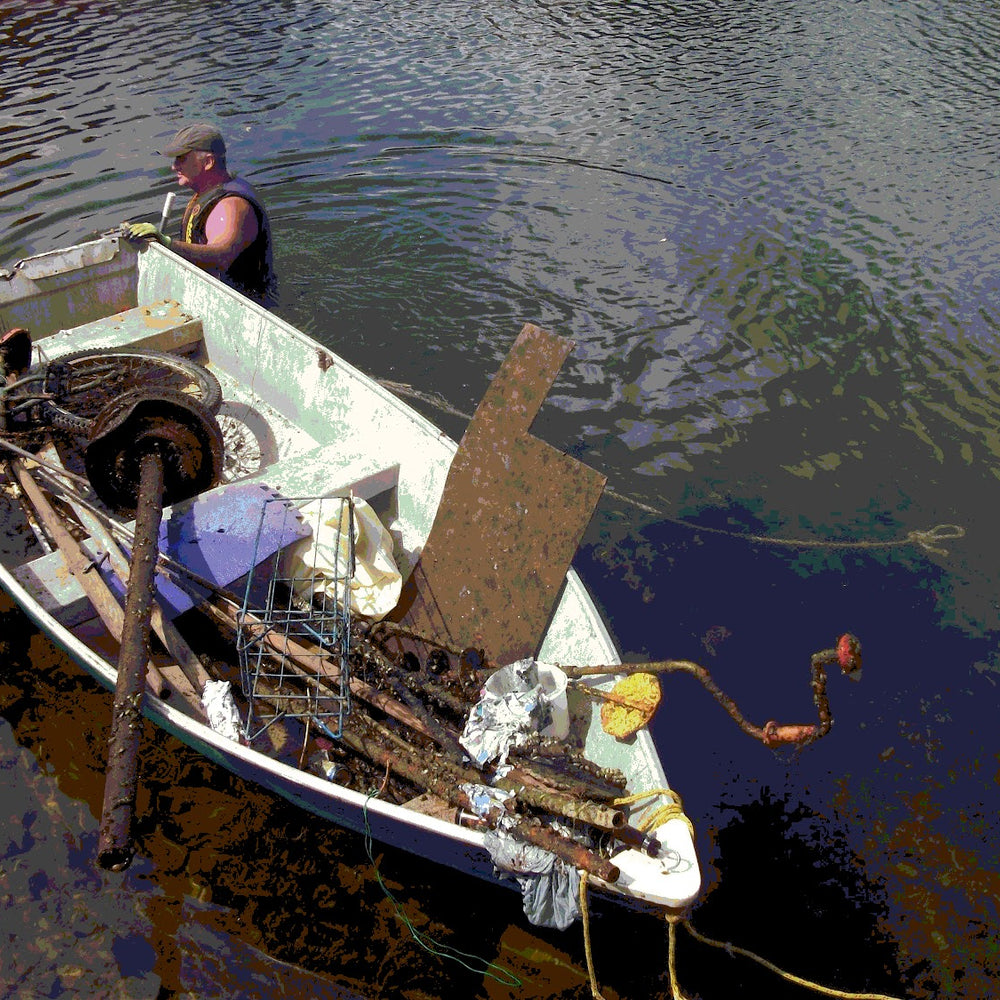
(145, 450)
(27, 508)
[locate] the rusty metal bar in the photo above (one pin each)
(114, 846)
(602, 816)
(569, 850)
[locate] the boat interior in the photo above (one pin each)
(298, 422)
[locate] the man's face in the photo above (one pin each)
(190, 167)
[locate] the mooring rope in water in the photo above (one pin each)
(482, 967)
(675, 986)
(672, 922)
(925, 539)
(595, 991)
(672, 809)
(922, 538)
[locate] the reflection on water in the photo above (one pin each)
(224, 866)
(772, 231)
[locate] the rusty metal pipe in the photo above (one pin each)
(422, 776)
(596, 814)
(114, 846)
(847, 653)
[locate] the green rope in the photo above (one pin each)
(503, 976)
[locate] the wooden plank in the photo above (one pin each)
(161, 326)
(101, 597)
(184, 656)
(329, 470)
(104, 601)
(510, 520)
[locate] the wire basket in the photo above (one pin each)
(293, 638)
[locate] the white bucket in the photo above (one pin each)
(553, 682)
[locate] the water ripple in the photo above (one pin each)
(717, 203)
(771, 229)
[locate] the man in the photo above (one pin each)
(225, 229)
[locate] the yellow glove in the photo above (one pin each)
(146, 231)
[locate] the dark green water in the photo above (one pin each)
(772, 232)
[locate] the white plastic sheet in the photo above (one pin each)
(325, 558)
(518, 700)
(223, 716)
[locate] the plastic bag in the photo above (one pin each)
(223, 717)
(320, 561)
(517, 701)
(550, 887)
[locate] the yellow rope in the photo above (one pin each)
(674, 809)
(825, 990)
(675, 987)
(585, 914)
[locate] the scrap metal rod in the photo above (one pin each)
(114, 845)
(194, 671)
(226, 612)
(569, 850)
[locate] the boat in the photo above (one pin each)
(281, 424)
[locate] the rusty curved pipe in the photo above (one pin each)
(847, 653)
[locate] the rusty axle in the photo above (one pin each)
(114, 846)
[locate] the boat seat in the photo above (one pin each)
(328, 471)
(49, 581)
(220, 535)
(161, 326)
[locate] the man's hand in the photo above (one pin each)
(146, 231)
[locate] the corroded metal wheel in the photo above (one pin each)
(80, 384)
(178, 427)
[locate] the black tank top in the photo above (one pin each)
(252, 273)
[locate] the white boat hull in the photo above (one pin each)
(309, 410)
